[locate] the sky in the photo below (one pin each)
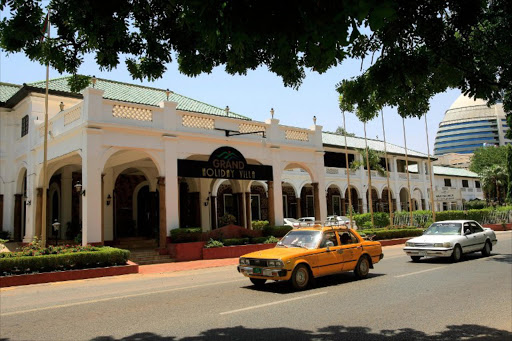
(254, 94)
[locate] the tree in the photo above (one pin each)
(509, 173)
(373, 159)
(485, 156)
(494, 181)
(341, 131)
(416, 48)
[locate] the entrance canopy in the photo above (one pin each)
(225, 163)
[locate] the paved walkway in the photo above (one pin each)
(181, 266)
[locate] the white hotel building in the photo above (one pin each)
(131, 161)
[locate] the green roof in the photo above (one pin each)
(7, 91)
(448, 171)
(358, 142)
(132, 93)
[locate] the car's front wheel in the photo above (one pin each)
(486, 251)
(300, 277)
(362, 268)
(457, 253)
(259, 282)
(415, 258)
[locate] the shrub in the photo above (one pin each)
(259, 240)
(186, 235)
(271, 240)
(236, 241)
(227, 219)
(381, 219)
(213, 243)
(393, 233)
(476, 204)
(276, 231)
(69, 258)
(259, 224)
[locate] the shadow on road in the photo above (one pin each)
(283, 287)
(467, 332)
(466, 258)
(507, 258)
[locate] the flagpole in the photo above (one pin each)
(390, 204)
(430, 171)
(348, 172)
(369, 174)
(45, 149)
(407, 170)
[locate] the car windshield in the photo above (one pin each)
(444, 228)
(301, 238)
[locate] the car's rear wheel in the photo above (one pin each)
(362, 268)
(457, 253)
(415, 258)
(486, 251)
(259, 282)
(300, 277)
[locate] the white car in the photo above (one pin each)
(340, 220)
(451, 238)
(306, 221)
(291, 222)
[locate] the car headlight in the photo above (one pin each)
(447, 244)
(438, 245)
(244, 261)
(409, 244)
(275, 263)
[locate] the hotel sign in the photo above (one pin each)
(224, 163)
(447, 195)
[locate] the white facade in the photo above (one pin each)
(125, 156)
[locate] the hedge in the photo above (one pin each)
(106, 256)
(187, 235)
(392, 233)
(276, 231)
(380, 219)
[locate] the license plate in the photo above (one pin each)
(423, 253)
(256, 270)
(267, 272)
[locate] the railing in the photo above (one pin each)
(296, 135)
(402, 176)
(62, 121)
(415, 176)
(332, 171)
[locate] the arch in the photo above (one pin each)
(135, 196)
(294, 165)
(291, 184)
(385, 189)
(52, 191)
(73, 158)
(154, 156)
(354, 188)
(22, 175)
(333, 183)
(151, 178)
(404, 198)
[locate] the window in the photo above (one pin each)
(476, 228)
(447, 183)
(336, 205)
(310, 206)
(255, 207)
(465, 183)
(229, 205)
(477, 184)
(329, 236)
(24, 125)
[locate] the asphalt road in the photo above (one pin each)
(430, 300)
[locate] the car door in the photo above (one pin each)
(352, 249)
(468, 239)
(329, 260)
(479, 236)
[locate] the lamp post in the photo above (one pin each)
(56, 226)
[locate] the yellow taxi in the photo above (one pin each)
(310, 252)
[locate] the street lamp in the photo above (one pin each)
(78, 188)
(56, 226)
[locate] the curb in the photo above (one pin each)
(48, 277)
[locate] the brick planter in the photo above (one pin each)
(186, 251)
(47, 277)
(499, 227)
(396, 241)
(234, 251)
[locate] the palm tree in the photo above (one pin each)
(494, 180)
(373, 159)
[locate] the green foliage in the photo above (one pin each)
(259, 240)
(271, 240)
(341, 131)
(381, 219)
(392, 233)
(373, 159)
(213, 243)
(259, 224)
(475, 204)
(494, 182)
(19, 263)
(235, 241)
(509, 165)
(227, 219)
(276, 231)
(483, 157)
(186, 235)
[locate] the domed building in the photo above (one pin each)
(469, 124)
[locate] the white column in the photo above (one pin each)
(66, 202)
(30, 216)
(91, 183)
(171, 183)
(278, 188)
(396, 185)
(108, 210)
(320, 169)
(364, 183)
(204, 197)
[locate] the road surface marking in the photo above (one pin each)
(116, 298)
(419, 272)
(272, 303)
